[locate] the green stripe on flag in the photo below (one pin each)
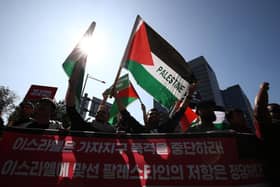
(69, 66)
(114, 109)
(151, 85)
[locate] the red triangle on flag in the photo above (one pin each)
(140, 50)
(128, 92)
(187, 119)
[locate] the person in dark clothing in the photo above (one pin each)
(44, 116)
(268, 118)
(152, 119)
(237, 121)
(22, 114)
(100, 124)
(206, 117)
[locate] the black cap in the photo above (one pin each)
(47, 100)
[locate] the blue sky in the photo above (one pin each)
(240, 39)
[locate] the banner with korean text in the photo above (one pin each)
(100, 160)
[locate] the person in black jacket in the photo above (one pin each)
(153, 124)
(100, 124)
(268, 118)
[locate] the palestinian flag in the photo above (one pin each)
(187, 119)
(156, 66)
(127, 95)
(74, 65)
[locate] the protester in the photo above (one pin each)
(22, 114)
(153, 124)
(206, 116)
(44, 116)
(268, 118)
(237, 121)
(100, 124)
(123, 126)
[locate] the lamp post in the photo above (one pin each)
(88, 76)
(84, 98)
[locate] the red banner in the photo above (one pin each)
(36, 92)
(51, 160)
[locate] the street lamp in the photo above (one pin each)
(88, 76)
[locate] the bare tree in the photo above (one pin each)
(7, 100)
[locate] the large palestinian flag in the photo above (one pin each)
(75, 64)
(126, 93)
(156, 66)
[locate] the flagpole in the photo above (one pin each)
(138, 19)
(84, 86)
(140, 100)
(88, 76)
(101, 81)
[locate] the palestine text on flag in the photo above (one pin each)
(156, 66)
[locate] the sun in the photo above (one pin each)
(94, 44)
(86, 45)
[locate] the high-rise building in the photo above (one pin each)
(234, 97)
(208, 87)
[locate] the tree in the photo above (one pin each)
(61, 113)
(7, 99)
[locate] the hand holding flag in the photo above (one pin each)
(124, 92)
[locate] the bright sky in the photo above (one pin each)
(240, 39)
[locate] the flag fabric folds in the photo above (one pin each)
(126, 93)
(76, 61)
(156, 66)
(187, 119)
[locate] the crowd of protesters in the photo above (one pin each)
(266, 116)
(41, 114)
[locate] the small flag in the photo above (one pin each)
(126, 93)
(187, 119)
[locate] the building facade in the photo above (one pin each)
(208, 87)
(234, 97)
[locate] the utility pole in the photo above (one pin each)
(88, 76)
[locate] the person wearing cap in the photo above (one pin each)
(44, 115)
(22, 114)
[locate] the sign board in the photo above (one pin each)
(36, 92)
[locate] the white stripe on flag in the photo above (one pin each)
(168, 77)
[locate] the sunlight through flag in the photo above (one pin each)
(76, 62)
